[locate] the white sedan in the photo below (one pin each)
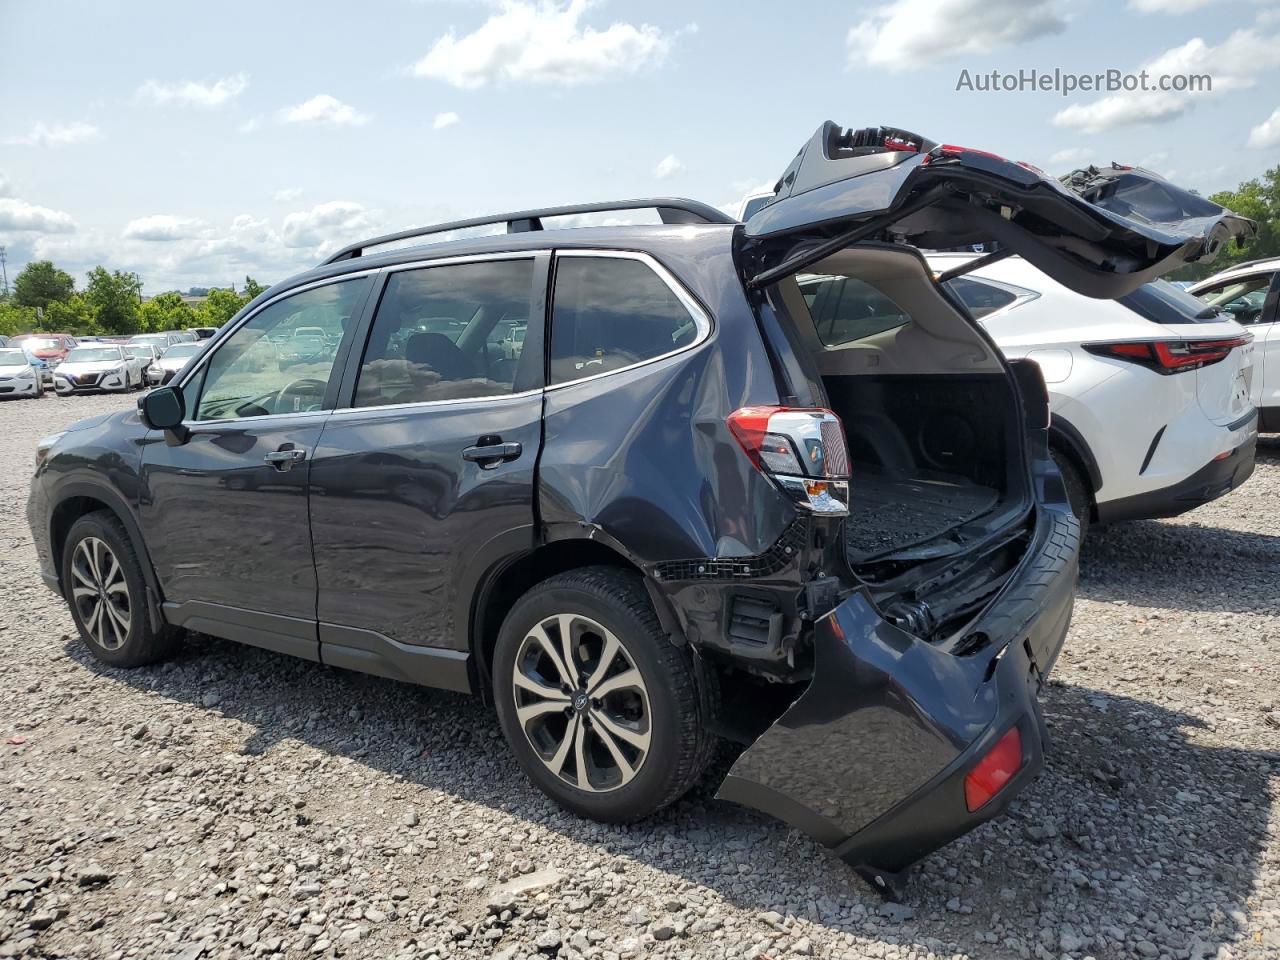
(97, 367)
(19, 377)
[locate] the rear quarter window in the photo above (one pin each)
(1161, 302)
(845, 309)
(981, 298)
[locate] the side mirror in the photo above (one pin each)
(164, 409)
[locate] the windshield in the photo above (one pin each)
(182, 351)
(91, 354)
(41, 343)
(151, 338)
(10, 357)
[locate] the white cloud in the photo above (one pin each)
(162, 227)
(193, 94)
(58, 135)
(446, 119)
(324, 109)
(6, 185)
(286, 194)
(1072, 157)
(1234, 64)
(900, 35)
(668, 166)
(327, 224)
(542, 43)
(1168, 6)
(20, 215)
(1267, 133)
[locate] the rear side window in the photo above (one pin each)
(845, 309)
(981, 298)
(447, 333)
(1161, 302)
(610, 313)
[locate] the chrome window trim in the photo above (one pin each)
(701, 319)
(346, 412)
(702, 322)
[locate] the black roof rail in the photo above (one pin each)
(670, 209)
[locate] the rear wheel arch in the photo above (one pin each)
(1064, 437)
(508, 582)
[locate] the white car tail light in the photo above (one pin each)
(802, 449)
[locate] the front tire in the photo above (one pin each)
(603, 712)
(105, 588)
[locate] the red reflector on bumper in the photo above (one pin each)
(994, 770)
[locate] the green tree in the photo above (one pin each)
(1257, 199)
(15, 319)
(251, 289)
(221, 306)
(41, 283)
(114, 298)
(166, 311)
(72, 316)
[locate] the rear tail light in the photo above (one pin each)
(994, 770)
(802, 449)
(1170, 356)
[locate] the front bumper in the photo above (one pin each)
(870, 760)
(66, 384)
(14, 387)
(1213, 480)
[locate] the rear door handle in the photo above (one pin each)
(282, 460)
(492, 454)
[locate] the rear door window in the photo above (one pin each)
(447, 333)
(614, 312)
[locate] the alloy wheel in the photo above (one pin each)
(100, 593)
(582, 703)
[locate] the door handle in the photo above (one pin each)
(492, 454)
(282, 460)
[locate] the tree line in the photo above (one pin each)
(1258, 199)
(45, 299)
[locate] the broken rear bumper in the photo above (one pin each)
(871, 759)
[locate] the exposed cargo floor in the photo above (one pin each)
(888, 514)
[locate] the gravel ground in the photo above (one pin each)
(237, 803)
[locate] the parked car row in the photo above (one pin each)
(785, 482)
(69, 365)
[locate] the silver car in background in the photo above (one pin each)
(20, 374)
(161, 370)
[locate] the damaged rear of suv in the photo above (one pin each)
(678, 506)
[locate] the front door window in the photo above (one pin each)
(281, 360)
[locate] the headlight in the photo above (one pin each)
(45, 444)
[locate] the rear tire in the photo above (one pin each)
(1077, 490)
(617, 730)
(107, 593)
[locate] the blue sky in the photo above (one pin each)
(197, 143)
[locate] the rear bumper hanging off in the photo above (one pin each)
(871, 759)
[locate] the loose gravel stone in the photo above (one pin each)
(236, 803)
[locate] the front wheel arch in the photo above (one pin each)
(82, 499)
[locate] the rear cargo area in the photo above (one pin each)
(929, 455)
